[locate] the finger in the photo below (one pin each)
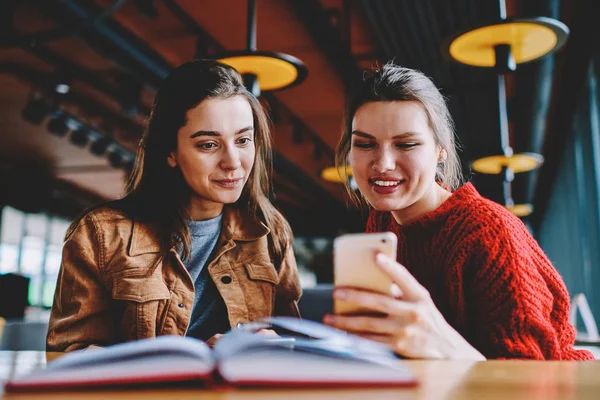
(364, 324)
(411, 289)
(377, 302)
(412, 342)
(385, 339)
(268, 332)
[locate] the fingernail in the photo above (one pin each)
(380, 258)
(340, 294)
(328, 319)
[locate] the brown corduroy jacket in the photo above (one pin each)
(114, 284)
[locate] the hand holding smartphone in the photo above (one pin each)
(354, 265)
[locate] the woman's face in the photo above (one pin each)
(215, 151)
(394, 156)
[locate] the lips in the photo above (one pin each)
(229, 183)
(385, 184)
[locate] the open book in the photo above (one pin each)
(306, 354)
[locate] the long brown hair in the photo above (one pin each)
(158, 194)
(395, 83)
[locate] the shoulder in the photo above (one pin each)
(483, 218)
(490, 236)
(110, 229)
(102, 218)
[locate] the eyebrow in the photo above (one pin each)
(215, 133)
(400, 136)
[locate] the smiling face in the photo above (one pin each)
(215, 153)
(394, 157)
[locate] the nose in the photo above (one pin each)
(384, 160)
(231, 158)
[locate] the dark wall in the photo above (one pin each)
(570, 229)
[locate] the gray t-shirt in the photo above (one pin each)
(209, 315)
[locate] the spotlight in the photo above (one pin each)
(99, 146)
(80, 136)
(62, 88)
(35, 110)
(115, 157)
(62, 83)
(58, 125)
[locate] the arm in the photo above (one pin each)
(288, 289)
(520, 303)
(80, 314)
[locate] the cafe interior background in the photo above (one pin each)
(77, 80)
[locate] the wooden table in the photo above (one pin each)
(512, 380)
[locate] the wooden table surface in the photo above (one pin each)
(512, 380)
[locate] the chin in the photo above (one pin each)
(228, 198)
(386, 205)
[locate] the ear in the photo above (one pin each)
(442, 156)
(172, 160)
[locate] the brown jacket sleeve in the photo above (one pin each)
(288, 289)
(80, 314)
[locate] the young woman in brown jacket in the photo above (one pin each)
(195, 247)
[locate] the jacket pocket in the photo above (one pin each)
(142, 301)
(259, 289)
(139, 289)
(262, 272)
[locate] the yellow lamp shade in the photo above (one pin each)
(273, 70)
(529, 39)
(334, 174)
(521, 162)
(520, 210)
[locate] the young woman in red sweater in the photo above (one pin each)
(474, 283)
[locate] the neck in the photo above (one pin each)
(202, 209)
(434, 198)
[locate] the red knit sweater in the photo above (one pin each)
(488, 277)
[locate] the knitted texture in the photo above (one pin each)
(488, 277)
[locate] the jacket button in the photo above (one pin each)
(226, 279)
(180, 305)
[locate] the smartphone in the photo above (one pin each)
(354, 265)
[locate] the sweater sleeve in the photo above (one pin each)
(520, 302)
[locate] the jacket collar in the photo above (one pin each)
(238, 225)
(144, 239)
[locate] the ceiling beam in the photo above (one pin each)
(118, 44)
(43, 81)
(317, 21)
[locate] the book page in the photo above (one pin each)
(130, 371)
(141, 349)
(318, 355)
(162, 359)
(271, 366)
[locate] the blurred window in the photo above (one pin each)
(31, 245)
